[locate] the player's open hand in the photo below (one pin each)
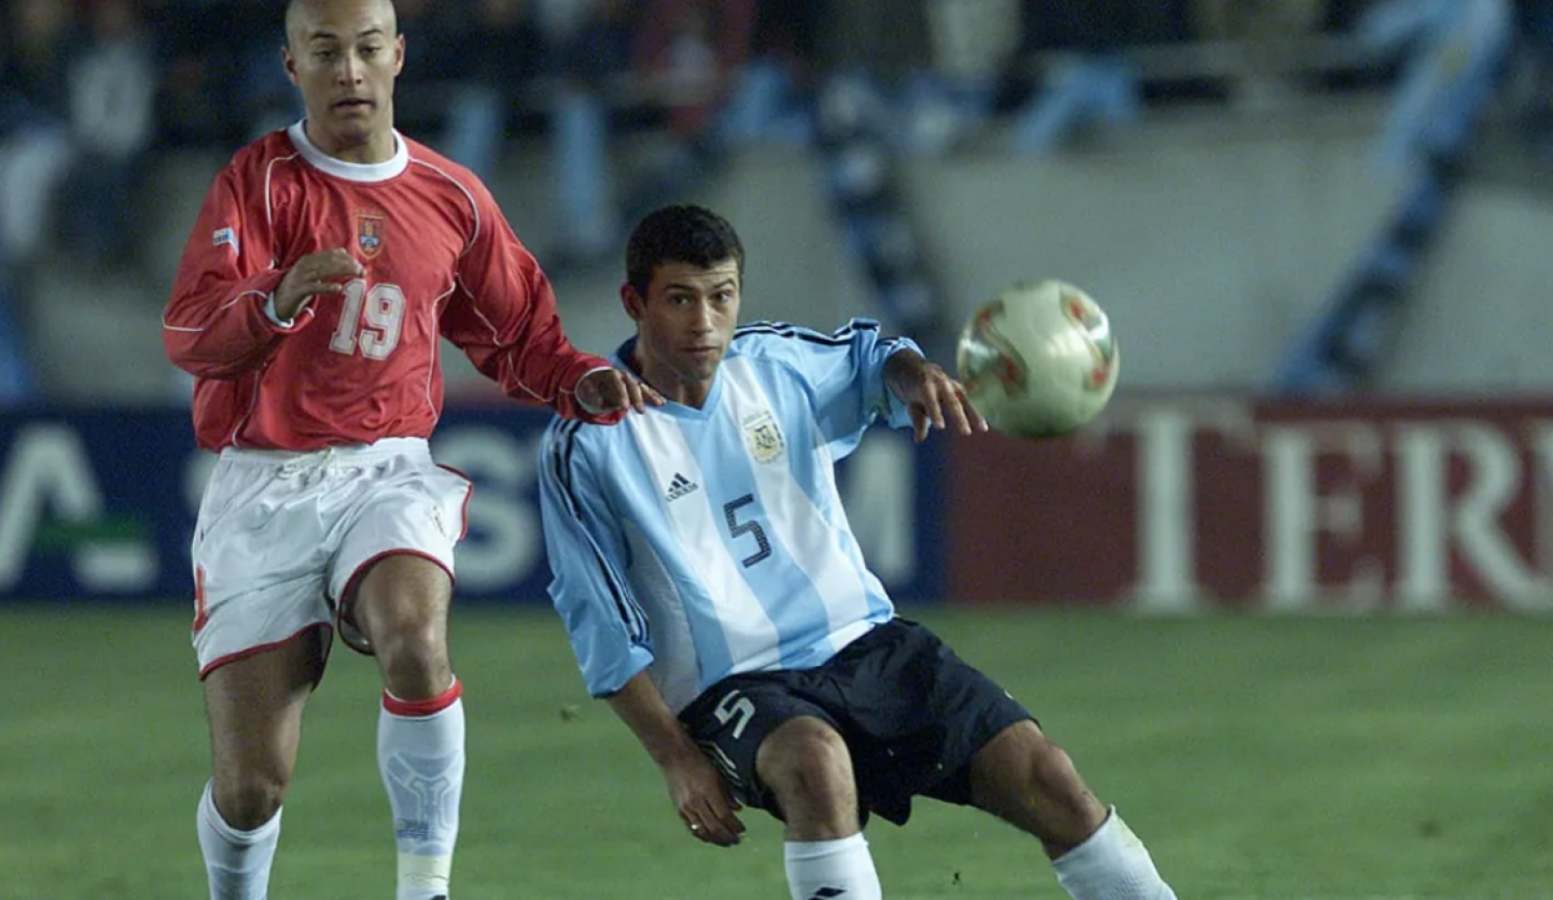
(324, 272)
(609, 390)
(936, 400)
(705, 805)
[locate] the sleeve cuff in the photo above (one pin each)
(274, 317)
(895, 410)
(639, 658)
(589, 408)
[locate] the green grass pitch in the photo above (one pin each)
(1259, 758)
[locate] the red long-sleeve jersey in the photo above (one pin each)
(353, 367)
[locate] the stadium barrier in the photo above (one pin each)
(1177, 505)
(1165, 505)
(100, 506)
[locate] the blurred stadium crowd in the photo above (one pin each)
(94, 92)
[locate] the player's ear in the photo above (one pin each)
(633, 301)
(290, 63)
(399, 54)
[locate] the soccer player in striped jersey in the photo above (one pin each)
(714, 592)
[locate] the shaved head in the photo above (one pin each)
(303, 16)
(344, 55)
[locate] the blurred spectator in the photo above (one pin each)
(1455, 58)
(1265, 35)
(469, 65)
(1097, 26)
(216, 88)
(587, 42)
(789, 32)
(1088, 81)
(769, 100)
(16, 378)
(972, 44)
(1536, 24)
(35, 143)
(112, 95)
(694, 50)
(188, 110)
(257, 79)
(691, 56)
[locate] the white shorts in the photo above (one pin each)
(282, 537)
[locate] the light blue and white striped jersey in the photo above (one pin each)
(708, 542)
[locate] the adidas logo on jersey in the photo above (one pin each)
(681, 486)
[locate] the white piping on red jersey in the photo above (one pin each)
(474, 304)
(468, 195)
(227, 305)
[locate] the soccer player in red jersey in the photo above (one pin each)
(326, 264)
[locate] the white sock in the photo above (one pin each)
(831, 870)
(1112, 864)
(237, 863)
(420, 751)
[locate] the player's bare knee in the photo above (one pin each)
(408, 640)
(414, 661)
(806, 763)
(249, 799)
(393, 614)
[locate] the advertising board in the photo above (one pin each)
(100, 505)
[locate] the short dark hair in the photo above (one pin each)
(680, 233)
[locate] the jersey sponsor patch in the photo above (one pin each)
(369, 234)
(764, 437)
(224, 236)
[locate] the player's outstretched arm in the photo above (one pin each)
(699, 793)
(936, 400)
(503, 316)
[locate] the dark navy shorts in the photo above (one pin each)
(912, 713)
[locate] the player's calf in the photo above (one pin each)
(1021, 776)
(421, 757)
(1024, 778)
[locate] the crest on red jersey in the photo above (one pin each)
(369, 234)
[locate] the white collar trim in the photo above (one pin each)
(339, 168)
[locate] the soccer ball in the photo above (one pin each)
(1038, 360)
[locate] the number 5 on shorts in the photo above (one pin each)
(735, 706)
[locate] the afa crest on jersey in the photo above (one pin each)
(764, 438)
(369, 234)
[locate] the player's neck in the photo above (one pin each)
(377, 148)
(691, 395)
(686, 393)
(670, 385)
